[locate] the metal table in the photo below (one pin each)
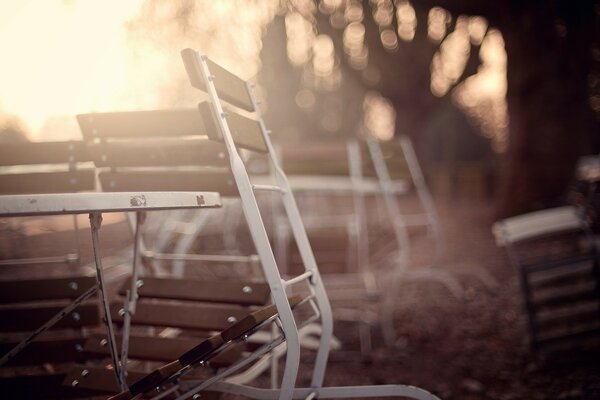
(95, 204)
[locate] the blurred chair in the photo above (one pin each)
(558, 265)
(367, 173)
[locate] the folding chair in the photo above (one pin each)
(238, 131)
(559, 271)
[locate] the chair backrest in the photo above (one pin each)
(45, 167)
(155, 150)
(536, 224)
(197, 306)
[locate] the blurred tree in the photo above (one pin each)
(553, 80)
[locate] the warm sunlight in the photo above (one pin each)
(379, 116)
(60, 58)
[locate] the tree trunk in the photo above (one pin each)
(551, 122)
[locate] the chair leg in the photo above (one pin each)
(95, 224)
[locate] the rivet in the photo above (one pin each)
(196, 396)
(78, 348)
(76, 316)
(73, 285)
(75, 383)
(247, 289)
(122, 312)
(232, 319)
(85, 372)
(103, 342)
(139, 284)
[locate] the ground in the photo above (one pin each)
(474, 347)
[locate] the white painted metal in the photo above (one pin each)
(288, 325)
(84, 203)
(259, 235)
(537, 223)
(95, 224)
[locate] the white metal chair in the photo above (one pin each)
(238, 131)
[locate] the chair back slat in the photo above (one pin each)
(154, 348)
(229, 292)
(184, 316)
(138, 153)
(230, 87)
(45, 167)
(323, 158)
(32, 153)
(141, 124)
(164, 180)
(47, 182)
(60, 350)
(246, 132)
(18, 319)
(17, 291)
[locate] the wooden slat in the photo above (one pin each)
(573, 337)
(246, 132)
(231, 292)
(157, 153)
(47, 386)
(152, 348)
(566, 297)
(97, 379)
(254, 319)
(315, 158)
(569, 319)
(199, 353)
(44, 289)
(47, 182)
(30, 318)
(170, 181)
(185, 316)
(569, 275)
(230, 87)
(141, 124)
(43, 153)
(47, 351)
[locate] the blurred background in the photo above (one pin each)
(500, 99)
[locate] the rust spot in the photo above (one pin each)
(200, 200)
(138, 200)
